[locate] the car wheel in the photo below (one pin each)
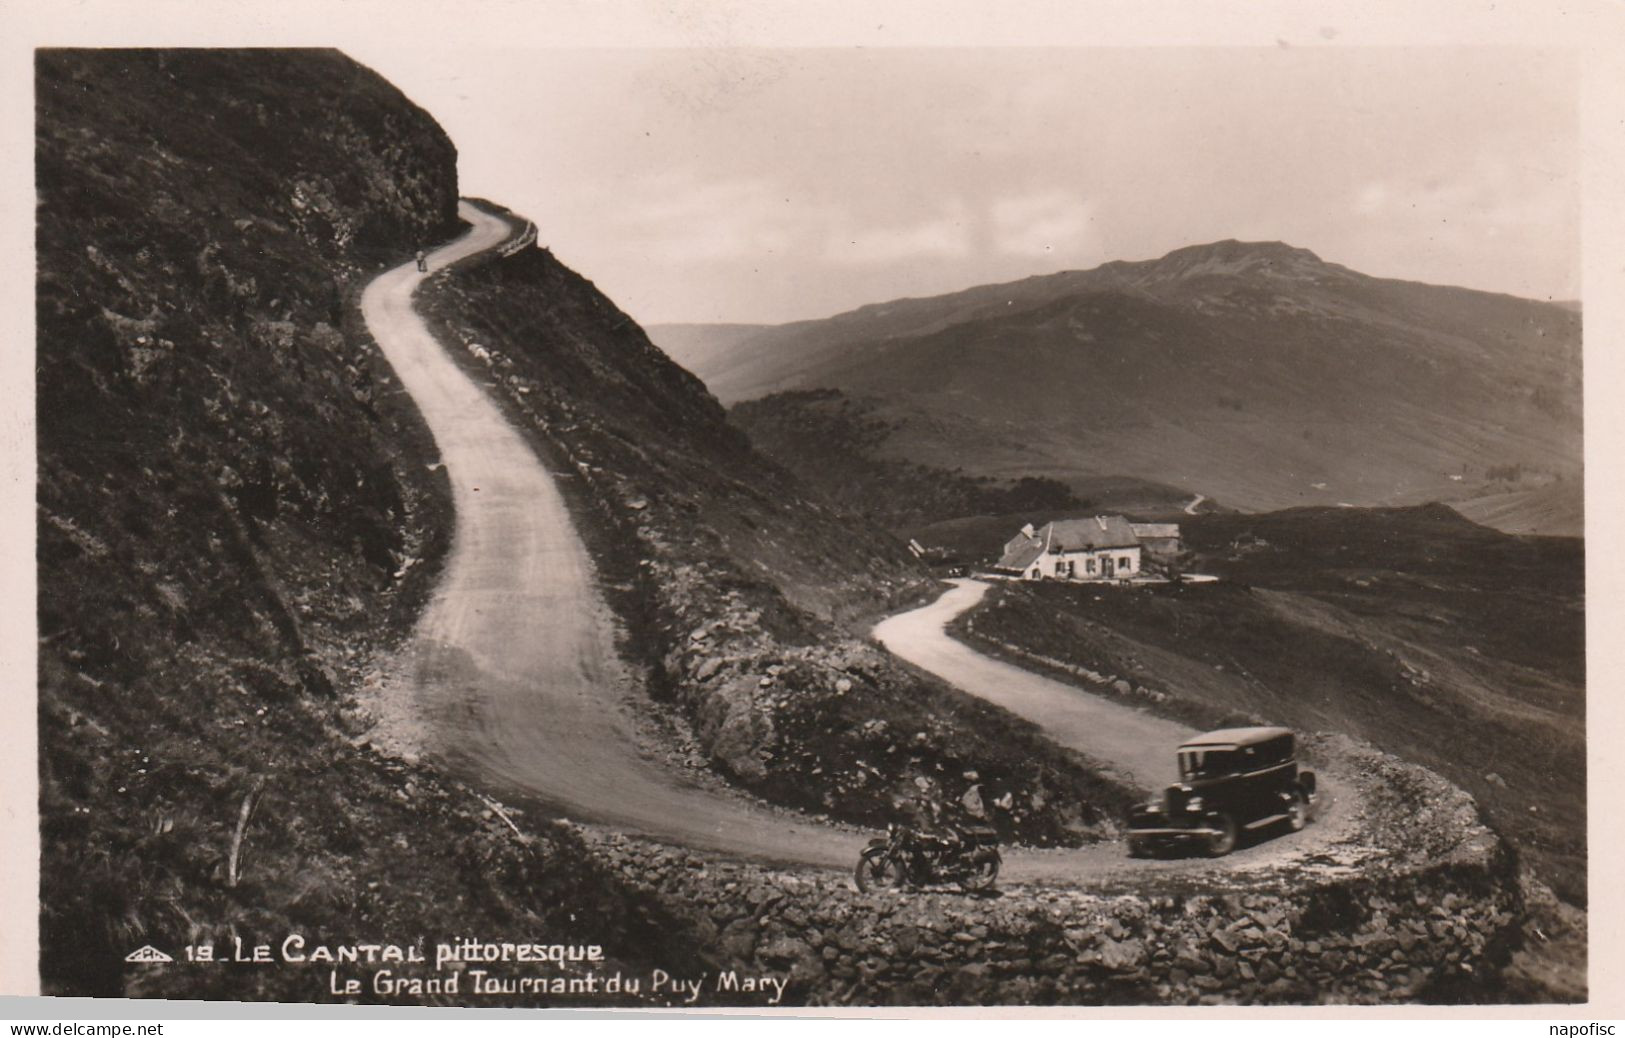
(1223, 840)
(877, 871)
(1297, 812)
(1139, 847)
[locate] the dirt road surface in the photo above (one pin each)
(512, 674)
(512, 677)
(1136, 745)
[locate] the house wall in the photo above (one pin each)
(1049, 565)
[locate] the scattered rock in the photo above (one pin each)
(972, 802)
(1118, 956)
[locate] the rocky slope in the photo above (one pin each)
(234, 513)
(1254, 373)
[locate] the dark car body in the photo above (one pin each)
(1230, 780)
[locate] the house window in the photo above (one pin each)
(1035, 573)
(1125, 563)
(1089, 566)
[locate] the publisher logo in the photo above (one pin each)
(147, 953)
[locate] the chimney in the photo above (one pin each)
(1028, 531)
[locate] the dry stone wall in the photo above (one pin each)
(1431, 921)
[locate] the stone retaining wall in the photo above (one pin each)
(1430, 921)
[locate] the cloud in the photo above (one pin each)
(1513, 222)
(945, 236)
(1490, 195)
(1372, 198)
(680, 218)
(1047, 223)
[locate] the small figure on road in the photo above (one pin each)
(423, 261)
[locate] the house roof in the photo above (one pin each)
(1022, 551)
(1155, 529)
(1104, 531)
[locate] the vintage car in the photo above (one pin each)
(1230, 781)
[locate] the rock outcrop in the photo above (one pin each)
(237, 510)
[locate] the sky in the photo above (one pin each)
(768, 185)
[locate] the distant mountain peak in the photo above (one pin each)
(1231, 247)
(1232, 257)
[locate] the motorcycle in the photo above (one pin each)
(907, 858)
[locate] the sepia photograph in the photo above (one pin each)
(696, 522)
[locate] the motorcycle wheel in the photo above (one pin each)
(877, 871)
(981, 876)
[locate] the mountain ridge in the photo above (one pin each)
(685, 338)
(1255, 373)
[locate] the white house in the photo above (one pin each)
(1102, 548)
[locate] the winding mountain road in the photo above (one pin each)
(1137, 746)
(512, 673)
(512, 676)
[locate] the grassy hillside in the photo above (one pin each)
(833, 443)
(1556, 508)
(745, 594)
(699, 346)
(1448, 644)
(235, 516)
(1254, 373)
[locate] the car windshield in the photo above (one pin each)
(1206, 763)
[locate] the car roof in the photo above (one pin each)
(1236, 737)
